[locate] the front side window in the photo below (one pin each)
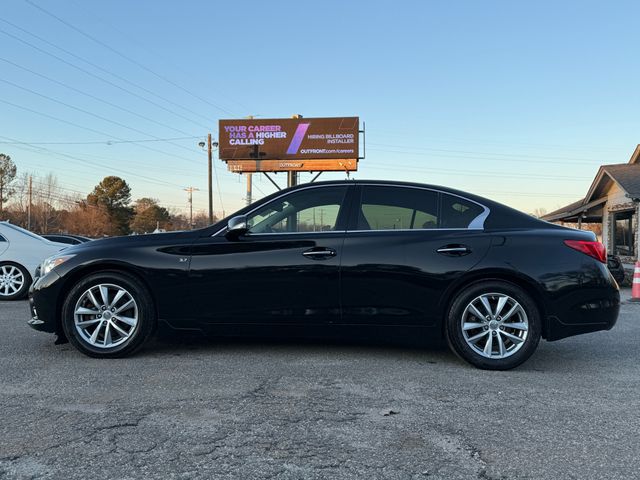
(623, 233)
(392, 208)
(309, 210)
(2, 239)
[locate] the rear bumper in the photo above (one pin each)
(587, 310)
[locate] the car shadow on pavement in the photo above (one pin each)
(179, 344)
(569, 355)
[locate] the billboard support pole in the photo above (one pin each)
(314, 178)
(292, 178)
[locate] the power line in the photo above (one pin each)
(485, 142)
(59, 169)
(479, 157)
(126, 57)
(59, 197)
(66, 172)
(105, 142)
(22, 107)
(131, 112)
(86, 189)
(102, 79)
(475, 173)
(100, 117)
(423, 149)
(122, 33)
(94, 65)
(86, 128)
(84, 161)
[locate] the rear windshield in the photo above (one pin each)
(25, 232)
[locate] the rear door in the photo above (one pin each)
(404, 246)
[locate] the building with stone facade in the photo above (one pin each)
(613, 200)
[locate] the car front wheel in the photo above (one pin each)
(493, 325)
(14, 281)
(108, 315)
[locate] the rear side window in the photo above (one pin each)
(456, 212)
(392, 208)
(2, 239)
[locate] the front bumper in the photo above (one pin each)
(43, 303)
(34, 322)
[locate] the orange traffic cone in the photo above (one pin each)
(635, 285)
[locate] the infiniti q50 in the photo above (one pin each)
(344, 258)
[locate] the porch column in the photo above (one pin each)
(636, 237)
(606, 237)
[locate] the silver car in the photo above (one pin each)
(21, 252)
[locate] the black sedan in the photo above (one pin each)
(339, 258)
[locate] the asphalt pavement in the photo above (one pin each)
(258, 410)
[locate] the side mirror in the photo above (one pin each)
(236, 227)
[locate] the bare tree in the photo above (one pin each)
(86, 219)
(7, 175)
(539, 212)
(47, 196)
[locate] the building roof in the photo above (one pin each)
(589, 212)
(561, 212)
(625, 175)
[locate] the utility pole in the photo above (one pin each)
(249, 189)
(190, 191)
(30, 201)
(210, 155)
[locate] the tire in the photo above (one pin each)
(14, 281)
(123, 323)
(514, 338)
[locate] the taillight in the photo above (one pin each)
(593, 249)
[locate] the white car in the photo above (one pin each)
(21, 252)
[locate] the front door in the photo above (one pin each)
(285, 270)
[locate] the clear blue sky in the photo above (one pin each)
(517, 101)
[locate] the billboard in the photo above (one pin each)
(322, 165)
(289, 139)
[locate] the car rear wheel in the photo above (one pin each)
(493, 325)
(108, 315)
(14, 281)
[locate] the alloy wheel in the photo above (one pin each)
(11, 280)
(495, 325)
(106, 315)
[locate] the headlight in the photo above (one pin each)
(52, 262)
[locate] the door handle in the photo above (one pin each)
(319, 253)
(454, 250)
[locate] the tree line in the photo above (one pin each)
(108, 210)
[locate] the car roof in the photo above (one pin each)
(395, 183)
(500, 216)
